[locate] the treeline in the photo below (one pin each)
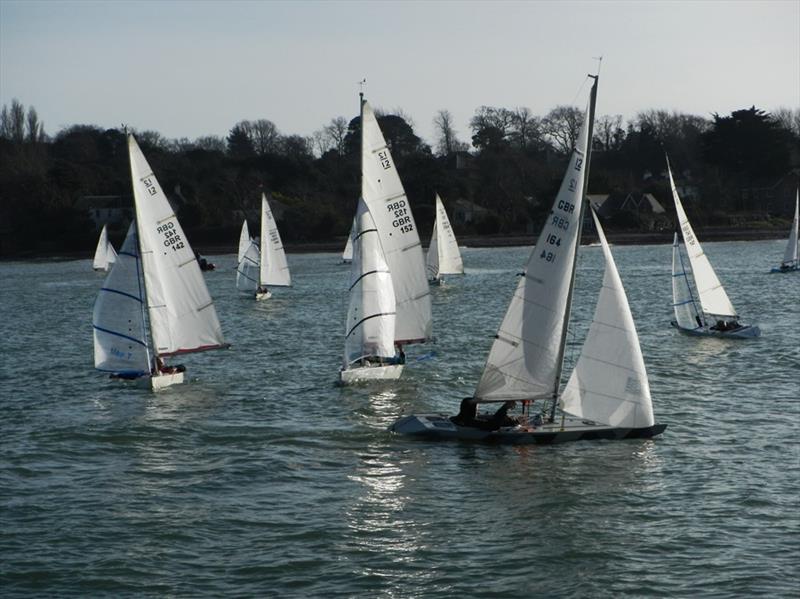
(504, 178)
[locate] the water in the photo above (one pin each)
(263, 478)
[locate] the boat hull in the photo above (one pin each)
(162, 381)
(263, 296)
(744, 332)
(785, 270)
(364, 374)
(440, 427)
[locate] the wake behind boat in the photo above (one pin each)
(712, 314)
(790, 261)
(607, 395)
(156, 272)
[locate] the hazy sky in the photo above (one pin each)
(187, 69)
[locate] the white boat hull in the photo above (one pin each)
(162, 381)
(361, 374)
(263, 296)
(440, 427)
(743, 332)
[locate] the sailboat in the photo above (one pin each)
(383, 193)
(712, 314)
(790, 261)
(443, 257)
(607, 395)
(249, 259)
(347, 253)
(262, 264)
(369, 351)
(154, 303)
(104, 255)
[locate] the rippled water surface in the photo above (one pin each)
(262, 478)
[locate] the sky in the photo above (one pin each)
(189, 69)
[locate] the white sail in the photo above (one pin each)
(524, 361)
(432, 257)
(347, 254)
(244, 242)
(712, 295)
(182, 314)
(450, 262)
(683, 303)
(370, 327)
(790, 255)
(609, 383)
(383, 193)
(247, 271)
(104, 254)
(120, 337)
(274, 269)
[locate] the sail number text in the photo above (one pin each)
(402, 219)
(383, 157)
(171, 237)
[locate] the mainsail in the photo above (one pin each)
(683, 302)
(120, 336)
(248, 268)
(370, 327)
(790, 255)
(525, 359)
(444, 257)
(609, 383)
(104, 254)
(182, 314)
(386, 199)
(712, 295)
(244, 242)
(274, 270)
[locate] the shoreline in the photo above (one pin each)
(710, 234)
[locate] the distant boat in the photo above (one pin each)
(607, 396)
(104, 255)
(444, 257)
(347, 254)
(369, 351)
(262, 264)
(712, 313)
(157, 272)
(790, 256)
(386, 199)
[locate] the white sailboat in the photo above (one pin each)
(790, 261)
(607, 396)
(104, 254)
(712, 314)
(347, 253)
(158, 274)
(386, 199)
(369, 350)
(273, 269)
(444, 257)
(249, 259)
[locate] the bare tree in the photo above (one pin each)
(526, 128)
(562, 126)
(16, 121)
(489, 117)
(446, 134)
(210, 143)
(608, 131)
(35, 128)
(336, 131)
(788, 119)
(265, 136)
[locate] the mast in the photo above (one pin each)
(564, 330)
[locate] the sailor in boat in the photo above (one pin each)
(262, 289)
(468, 416)
(725, 325)
(163, 368)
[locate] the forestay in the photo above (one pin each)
(120, 336)
(274, 269)
(182, 314)
(525, 359)
(712, 295)
(444, 257)
(609, 383)
(370, 327)
(383, 193)
(686, 312)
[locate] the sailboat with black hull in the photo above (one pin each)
(607, 395)
(712, 314)
(154, 303)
